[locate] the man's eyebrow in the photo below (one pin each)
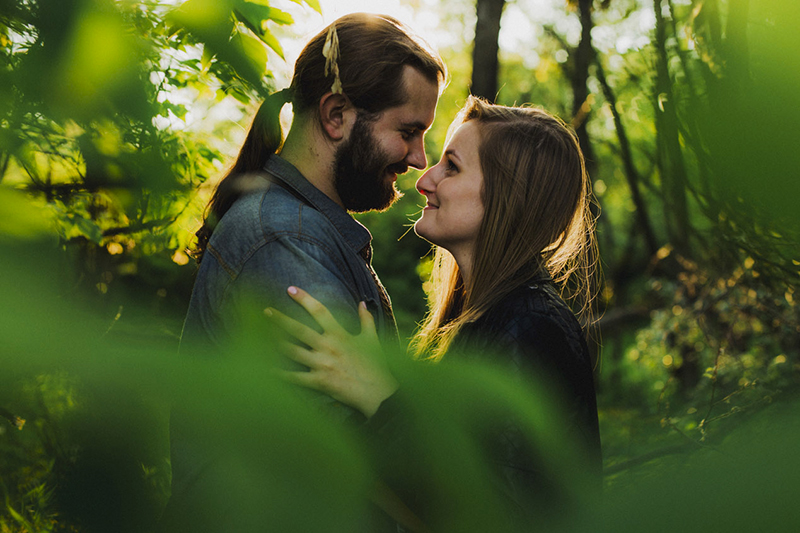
(414, 125)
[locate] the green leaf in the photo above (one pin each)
(88, 229)
(205, 60)
(253, 49)
(250, 18)
(273, 43)
(177, 109)
(209, 20)
(22, 217)
(280, 17)
(261, 31)
(193, 64)
(313, 4)
(15, 515)
(260, 10)
(239, 95)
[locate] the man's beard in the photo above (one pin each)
(360, 169)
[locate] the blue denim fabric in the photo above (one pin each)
(283, 232)
(287, 232)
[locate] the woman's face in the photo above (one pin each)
(453, 186)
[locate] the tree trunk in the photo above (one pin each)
(4, 166)
(737, 54)
(670, 158)
(695, 143)
(627, 160)
(581, 105)
(484, 54)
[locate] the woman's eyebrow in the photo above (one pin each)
(451, 153)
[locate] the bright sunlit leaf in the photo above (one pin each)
(98, 52)
(313, 4)
(273, 43)
(22, 218)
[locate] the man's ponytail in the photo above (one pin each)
(264, 139)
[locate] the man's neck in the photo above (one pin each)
(313, 158)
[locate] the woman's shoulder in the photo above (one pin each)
(538, 301)
(529, 316)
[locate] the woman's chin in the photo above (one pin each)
(419, 229)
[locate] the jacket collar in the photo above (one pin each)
(354, 233)
(541, 276)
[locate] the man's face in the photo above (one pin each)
(360, 167)
(366, 165)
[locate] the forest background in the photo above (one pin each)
(118, 117)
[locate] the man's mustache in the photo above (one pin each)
(397, 168)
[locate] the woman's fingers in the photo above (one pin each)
(367, 321)
(304, 379)
(318, 311)
(300, 355)
(294, 328)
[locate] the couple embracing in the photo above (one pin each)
(507, 207)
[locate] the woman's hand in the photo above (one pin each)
(350, 369)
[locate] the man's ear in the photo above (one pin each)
(336, 115)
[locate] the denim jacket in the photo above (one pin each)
(285, 232)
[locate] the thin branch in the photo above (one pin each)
(647, 457)
(60, 189)
(4, 166)
(125, 230)
(620, 316)
(31, 174)
(673, 166)
(136, 228)
(631, 174)
(114, 320)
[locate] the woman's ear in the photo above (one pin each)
(336, 115)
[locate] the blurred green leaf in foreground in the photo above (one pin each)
(94, 453)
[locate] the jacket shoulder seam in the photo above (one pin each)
(222, 263)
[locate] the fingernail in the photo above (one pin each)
(292, 290)
(268, 311)
(363, 305)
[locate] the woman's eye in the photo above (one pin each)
(451, 166)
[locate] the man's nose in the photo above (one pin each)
(416, 155)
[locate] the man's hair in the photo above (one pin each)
(537, 220)
(373, 49)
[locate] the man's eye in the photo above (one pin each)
(407, 134)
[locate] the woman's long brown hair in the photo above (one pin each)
(536, 197)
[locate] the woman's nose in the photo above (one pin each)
(425, 184)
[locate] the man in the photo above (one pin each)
(364, 92)
(359, 121)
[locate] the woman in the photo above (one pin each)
(508, 210)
